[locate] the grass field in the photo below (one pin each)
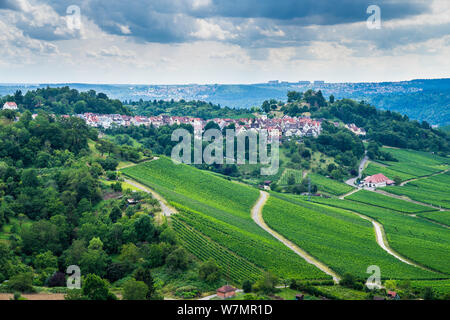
(419, 240)
(340, 239)
(330, 186)
(383, 201)
(433, 190)
(288, 172)
(219, 210)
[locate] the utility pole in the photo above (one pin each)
(309, 188)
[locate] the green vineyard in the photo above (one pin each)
(329, 185)
(340, 239)
(236, 269)
(433, 190)
(297, 174)
(417, 239)
(383, 201)
(220, 210)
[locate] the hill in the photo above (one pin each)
(422, 99)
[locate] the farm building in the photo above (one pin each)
(393, 295)
(226, 292)
(10, 106)
(377, 180)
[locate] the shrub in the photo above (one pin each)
(134, 290)
(247, 286)
(58, 279)
(22, 282)
(187, 292)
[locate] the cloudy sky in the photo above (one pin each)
(221, 41)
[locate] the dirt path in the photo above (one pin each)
(349, 193)
(215, 295)
(34, 296)
(166, 209)
(257, 217)
(383, 243)
(419, 178)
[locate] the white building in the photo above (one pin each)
(10, 106)
(377, 180)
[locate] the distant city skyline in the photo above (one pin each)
(222, 41)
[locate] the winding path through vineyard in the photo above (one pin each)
(166, 209)
(257, 217)
(383, 243)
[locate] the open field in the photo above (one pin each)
(416, 239)
(383, 201)
(338, 238)
(433, 190)
(329, 185)
(220, 210)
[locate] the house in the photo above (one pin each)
(377, 180)
(10, 106)
(226, 292)
(132, 201)
(393, 295)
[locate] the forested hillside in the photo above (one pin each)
(64, 100)
(197, 109)
(61, 204)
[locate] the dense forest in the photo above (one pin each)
(62, 204)
(197, 109)
(65, 101)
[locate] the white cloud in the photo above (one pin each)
(209, 31)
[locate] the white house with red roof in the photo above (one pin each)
(377, 180)
(10, 106)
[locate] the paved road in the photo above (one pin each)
(351, 181)
(257, 217)
(166, 209)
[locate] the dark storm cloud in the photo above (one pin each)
(9, 4)
(247, 23)
(175, 21)
(311, 11)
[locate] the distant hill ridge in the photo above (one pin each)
(420, 99)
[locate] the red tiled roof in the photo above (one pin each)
(226, 289)
(378, 178)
